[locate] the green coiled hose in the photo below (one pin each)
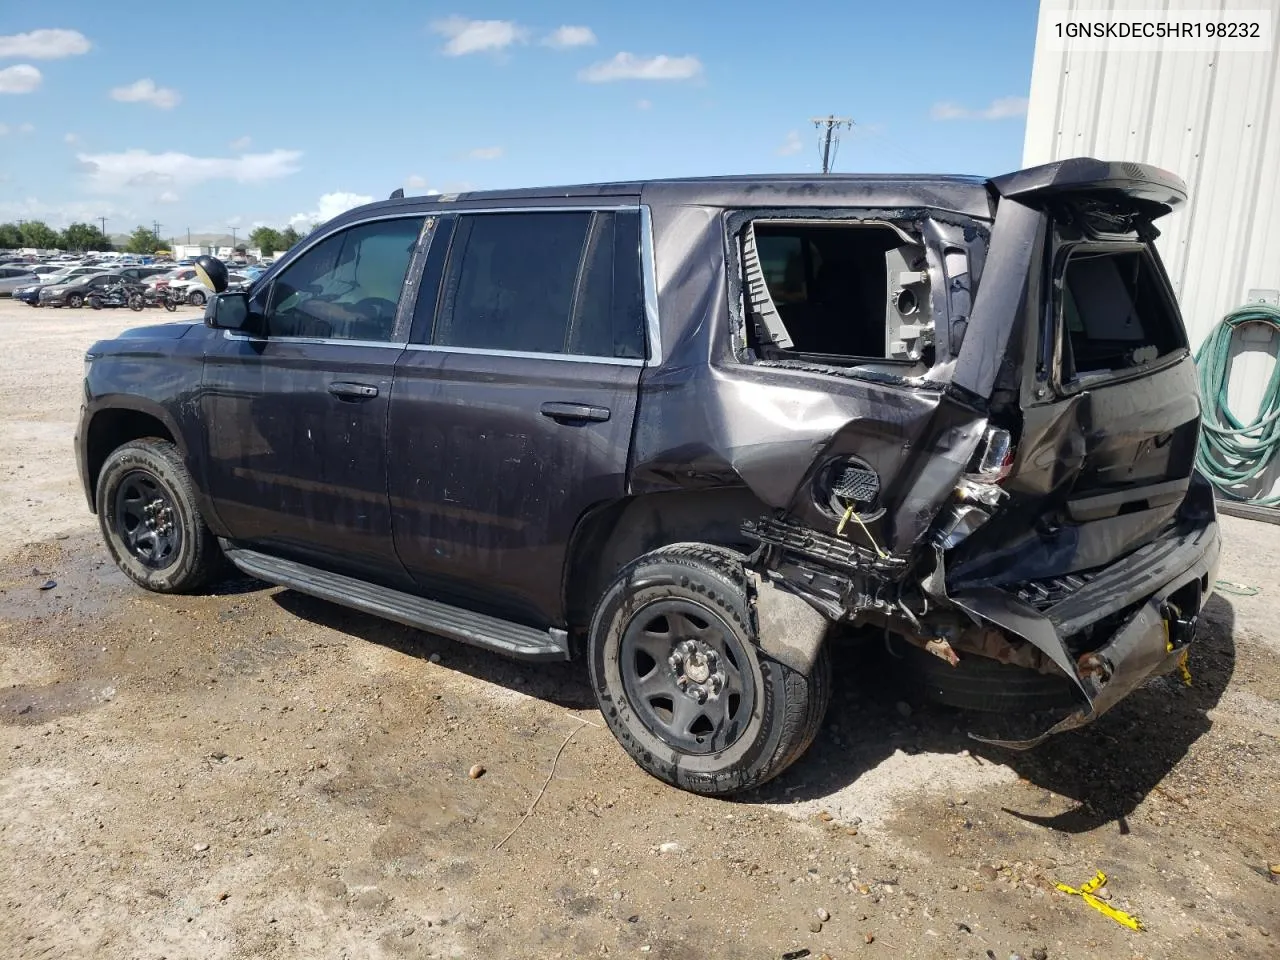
(1231, 452)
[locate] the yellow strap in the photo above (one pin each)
(848, 512)
(1085, 893)
(1183, 669)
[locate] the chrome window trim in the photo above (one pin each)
(527, 355)
(649, 277)
(231, 335)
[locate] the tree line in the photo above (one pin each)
(78, 237)
(272, 241)
(85, 236)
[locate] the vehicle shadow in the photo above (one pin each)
(564, 684)
(1107, 767)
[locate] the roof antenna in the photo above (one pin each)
(397, 194)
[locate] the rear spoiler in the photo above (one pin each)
(1151, 190)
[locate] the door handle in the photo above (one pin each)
(575, 412)
(353, 391)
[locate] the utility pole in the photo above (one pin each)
(830, 126)
(233, 239)
(103, 221)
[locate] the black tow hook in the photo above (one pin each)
(1182, 630)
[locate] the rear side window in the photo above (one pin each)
(1116, 313)
(552, 283)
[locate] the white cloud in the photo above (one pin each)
(22, 78)
(485, 153)
(44, 44)
(562, 38)
(415, 182)
(330, 205)
(146, 91)
(644, 104)
(477, 36)
(60, 214)
(240, 143)
(26, 128)
(111, 172)
(793, 144)
(168, 197)
(71, 138)
(1002, 108)
(627, 66)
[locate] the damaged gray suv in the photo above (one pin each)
(697, 432)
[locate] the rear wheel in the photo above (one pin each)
(682, 683)
(196, 298)
(75, 300)
(136, 303)
(150, 521)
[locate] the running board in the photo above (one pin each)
(477, 629)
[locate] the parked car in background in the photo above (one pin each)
(76, 291)
(197, 292)
(30, 294)
(13, 277)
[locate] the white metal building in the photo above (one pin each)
(1213, 118)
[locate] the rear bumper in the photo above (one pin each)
(1159, 590)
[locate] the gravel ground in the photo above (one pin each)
(253, 773)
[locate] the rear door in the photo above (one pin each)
(513, 406)
(1107, 409)
(296, 457)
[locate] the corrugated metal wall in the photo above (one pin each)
(1213, 118)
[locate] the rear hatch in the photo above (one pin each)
(1095, 382)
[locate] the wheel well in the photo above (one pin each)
(611, 536)
(110, 428)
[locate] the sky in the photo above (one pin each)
(205, 117)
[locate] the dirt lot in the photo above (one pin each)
(253, 773)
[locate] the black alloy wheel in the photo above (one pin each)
(146, 520)
(686, 674)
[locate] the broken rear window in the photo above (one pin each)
(835, 292)
(1115, 312)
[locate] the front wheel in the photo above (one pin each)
(196, 298)
(684, 686)
(150, 520)
(136, 302)
(95, 302)
(75, 300)
(170, 304)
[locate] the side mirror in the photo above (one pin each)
(230, 311)
(212, 272)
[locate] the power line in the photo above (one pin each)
(830, 126)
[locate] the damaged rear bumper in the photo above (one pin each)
(1159, 589)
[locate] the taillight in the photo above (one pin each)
(993, 459)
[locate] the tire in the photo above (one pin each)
(75, 300)
(196, 298)
(980, 684)
(136, 303)
(135, 477)
(170, 305)
(701, 595)
(95, 302)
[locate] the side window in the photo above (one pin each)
(608, 315)
(346, 287)
(511, 280)
(564, 282)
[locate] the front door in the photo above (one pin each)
(296, 417)
(513, 407)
